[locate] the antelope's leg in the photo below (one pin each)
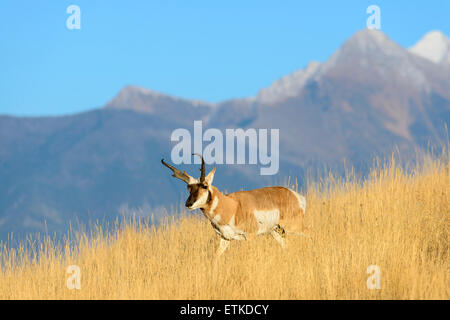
(278, 233)
(223, 245)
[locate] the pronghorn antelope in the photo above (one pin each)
(235, 216)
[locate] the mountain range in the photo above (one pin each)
(371, 97)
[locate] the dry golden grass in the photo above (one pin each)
(394, 220)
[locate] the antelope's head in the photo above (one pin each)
(199, 189)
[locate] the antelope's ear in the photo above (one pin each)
(210, 177)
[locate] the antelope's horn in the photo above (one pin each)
(202, 169)
(178, 174)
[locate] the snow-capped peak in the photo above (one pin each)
(434, 46)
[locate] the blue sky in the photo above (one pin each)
(207, 50)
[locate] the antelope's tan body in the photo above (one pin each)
(239, 214)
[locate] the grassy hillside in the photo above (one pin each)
(396, 220)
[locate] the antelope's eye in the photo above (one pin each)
(205, 187)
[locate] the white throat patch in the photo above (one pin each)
(214, 205)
